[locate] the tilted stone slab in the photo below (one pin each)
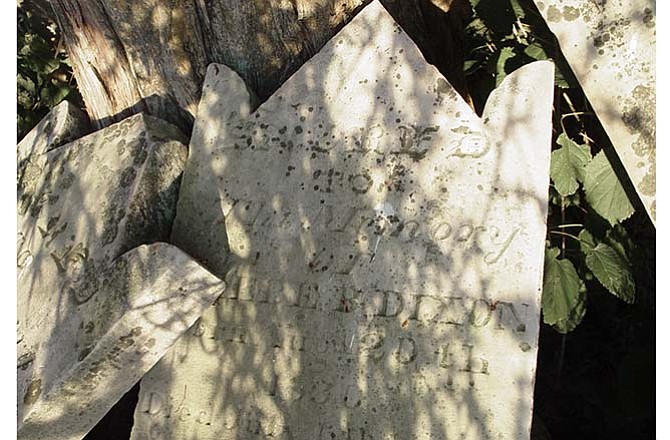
(611, 48)
(80, 207)
(148, 298)
(383, 252)
(64, 123)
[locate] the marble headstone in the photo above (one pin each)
(382, 248)
(94, 311)
(611, 48)
(64, 123)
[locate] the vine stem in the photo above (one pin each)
(561, 358)
(564, 234)
(575, 114)
(571, 225)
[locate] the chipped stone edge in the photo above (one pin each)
(540, 76)
(60, 116)
(70, 392)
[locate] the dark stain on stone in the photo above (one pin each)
(570, 13)
(639, 116)
(83, 353)
(648, 19)
(111, 218)
(127, 340)
(121, 147)
(128, 176)
(66, 181)
(33, 392)
(25, 360)
(553, 14)
(140, 156)
(600, 40)
(442, 87)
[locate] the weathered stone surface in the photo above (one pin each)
(63, 124)
(383, 252)
(147, 299)
(611, 47)
(201, 229)
(81, 206)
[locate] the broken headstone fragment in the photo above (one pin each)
(63, 124)
(147, 298)
(93, 317)
(611, 48)
(382, 247)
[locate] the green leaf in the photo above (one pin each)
(612, 270)
(517, 9)
(470, 66)
(536, 52)
(617, 238)
(575, 317)
(587, 241)
(604, 192)
(563, 303)
(505, 54)
(568, 165)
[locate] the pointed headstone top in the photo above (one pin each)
(382, 247)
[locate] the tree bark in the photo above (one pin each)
(130, 56)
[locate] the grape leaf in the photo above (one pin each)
(612, 270)
(536, 52)
(568, 165)
(587, 241)
(562, 301)
(617, 238)
(575, 316)
(505, 54)
(604, 192)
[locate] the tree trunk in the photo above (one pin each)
(151, 55)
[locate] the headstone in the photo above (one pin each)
(63, 124)
(611, 47)
(149, 296)
(383, 252)
(91, 317)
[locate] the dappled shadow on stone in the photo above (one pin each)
(611, 48)
(95, 309)
(382, 247)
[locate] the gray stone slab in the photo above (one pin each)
(80, 207)
(200, 230)
(611, 47)
(64, 123)
(148, 298)
(382, 247)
